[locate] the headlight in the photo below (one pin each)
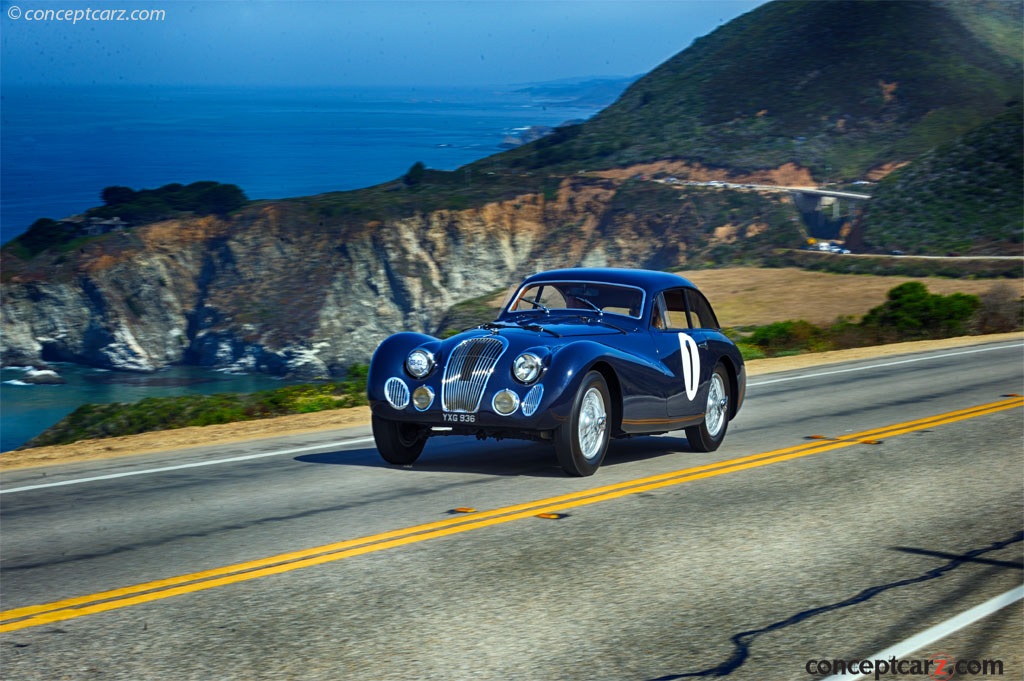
(419, 363)
(526, 368)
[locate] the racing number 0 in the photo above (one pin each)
(690, 357)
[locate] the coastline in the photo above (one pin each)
(186, 438)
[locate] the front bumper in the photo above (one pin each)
(501, 407)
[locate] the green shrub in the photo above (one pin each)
(787, 337)
(912, 313)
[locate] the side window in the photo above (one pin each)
(674, 309)
(701, 314)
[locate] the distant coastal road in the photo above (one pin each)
(869, 510)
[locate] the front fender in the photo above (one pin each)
(389, 359)
(570, 363)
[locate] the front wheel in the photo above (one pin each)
(398, 443)
(582, 441)
(709, 435)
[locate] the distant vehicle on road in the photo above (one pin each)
(576, 357)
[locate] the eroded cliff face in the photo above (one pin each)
(276, 290)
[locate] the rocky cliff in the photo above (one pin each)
(278, 289)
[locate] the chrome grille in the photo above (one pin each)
(532, 400)
(397, 393)
(466, 373)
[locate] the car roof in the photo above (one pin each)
(649, 280)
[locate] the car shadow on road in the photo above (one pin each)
(502, 458)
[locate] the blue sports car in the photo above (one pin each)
(576, 357)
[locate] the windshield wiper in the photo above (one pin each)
(537, 327)
(599, 320)
(536, 304)
(529, 326)
(595, 307)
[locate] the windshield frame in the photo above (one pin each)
(515, 298)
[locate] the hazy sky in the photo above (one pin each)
(347, 42)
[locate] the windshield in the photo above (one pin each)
(579, 295)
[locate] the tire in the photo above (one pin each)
(709, 435)
(398, 443)
(582, 442)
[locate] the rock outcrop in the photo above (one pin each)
(276, 289)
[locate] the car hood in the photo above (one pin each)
(548, 332)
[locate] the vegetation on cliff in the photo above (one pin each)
(130, 208)
(962, 198)
(92, 421)
(171, 200)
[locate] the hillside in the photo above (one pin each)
(960, 198)
(840, 87)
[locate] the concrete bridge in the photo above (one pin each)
(823, 211)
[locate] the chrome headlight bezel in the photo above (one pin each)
(527, 368)
(419, 363)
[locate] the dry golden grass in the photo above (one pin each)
(751, 296)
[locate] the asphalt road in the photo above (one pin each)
(308, 558)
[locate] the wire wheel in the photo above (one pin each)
(582, 441)
(716, 412)
(591, 425)
(707, 436)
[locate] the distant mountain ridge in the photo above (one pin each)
(580, 91)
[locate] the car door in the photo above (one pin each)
(682, 320)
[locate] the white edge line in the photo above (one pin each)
(884, 364)
(939, 631)
(198, 464)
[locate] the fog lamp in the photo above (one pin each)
(505, 402)
(422, 398)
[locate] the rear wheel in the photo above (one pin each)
(398, 443)
(709, 435)
(582, 441)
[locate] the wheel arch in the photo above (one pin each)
(615, 391)
(734, 384)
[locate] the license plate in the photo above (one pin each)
(459, 418)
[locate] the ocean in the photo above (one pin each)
(60, 146)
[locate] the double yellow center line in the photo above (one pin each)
(21, 618)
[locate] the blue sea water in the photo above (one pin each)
(60, 146)
(30, 409)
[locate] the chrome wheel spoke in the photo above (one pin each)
(591, 424)
(717, 406)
